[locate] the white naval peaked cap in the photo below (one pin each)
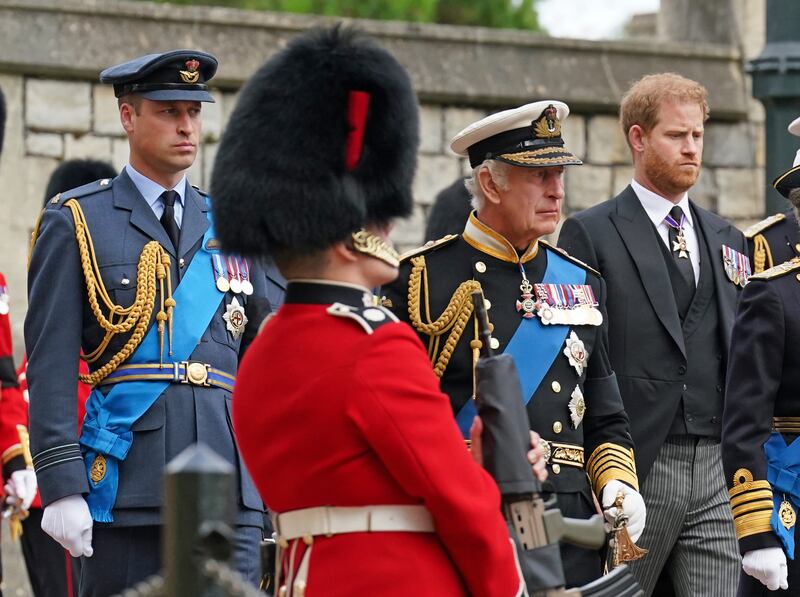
(794, 127)
(528, 136)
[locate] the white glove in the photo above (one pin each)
(68, 522)
(21, 489)
(632, 506)
(768, 566)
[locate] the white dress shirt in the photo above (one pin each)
(658, 208)
(151, 191)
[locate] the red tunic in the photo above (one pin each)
(340, 411)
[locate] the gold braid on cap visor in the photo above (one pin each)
(374, 246)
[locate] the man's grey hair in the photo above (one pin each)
(499, 173)
(794, 199)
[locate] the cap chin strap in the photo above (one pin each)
(374, 246)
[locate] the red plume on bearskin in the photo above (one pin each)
(323, 140)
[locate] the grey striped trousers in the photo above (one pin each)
(689, 531)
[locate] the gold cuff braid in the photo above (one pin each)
(611, 461)
(751, 504)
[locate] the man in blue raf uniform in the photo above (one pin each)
(546, 309)
(128, 270)
(761, 422)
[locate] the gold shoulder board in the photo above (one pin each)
(751, 231)
(778, 271)
(574, 260)
(428, 246)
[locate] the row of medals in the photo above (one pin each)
(236, 285)
(227, 279)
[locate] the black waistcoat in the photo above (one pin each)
(700, 410)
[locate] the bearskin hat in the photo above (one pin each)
(76, 173)
(2, 120)
(450, 211)
(322, 141)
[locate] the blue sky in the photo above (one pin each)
(590, 19)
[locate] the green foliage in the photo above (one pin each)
(512, 14)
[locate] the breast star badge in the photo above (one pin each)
(577, 407)
(576, 352)
(235, 319)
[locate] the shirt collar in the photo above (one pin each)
(657, 207)
(151, 190)
(480, 236)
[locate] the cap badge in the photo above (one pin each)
(547, 126)
(191, 74)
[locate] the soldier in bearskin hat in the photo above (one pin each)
(337, 412)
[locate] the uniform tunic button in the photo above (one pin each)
(480, 266)
(556, 387)
(685, 387)
(797, 247)
(556, 468)
(494, 343)
(181, 262)
(682, 369)
(124, 281)
(557, 427)
(487, 303)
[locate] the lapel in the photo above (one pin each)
(128, 197)
(635, 228)
(724, 291)
(195, 220)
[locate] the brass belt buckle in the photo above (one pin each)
(195, 373)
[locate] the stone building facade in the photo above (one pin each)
(52, 50)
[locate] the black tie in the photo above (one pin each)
(684, 263)
(168, 217)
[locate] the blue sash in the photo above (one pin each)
(534, 346)
(107, 426)
(783, 474)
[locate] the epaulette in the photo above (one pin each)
(574, 260)
(778, 271)
(751, 231)
(201, 191)
(369, 318)
(88, 189)
(429, 246)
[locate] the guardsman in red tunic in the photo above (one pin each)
(338, 415)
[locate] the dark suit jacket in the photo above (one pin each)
(60, 323)
(646, 343)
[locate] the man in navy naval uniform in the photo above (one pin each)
(546, 309)
(128, 270)
(761, 422)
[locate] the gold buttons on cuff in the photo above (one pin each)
(480, 266)
(556, 387)
(556, 468)
(557, 427)
(494, 343)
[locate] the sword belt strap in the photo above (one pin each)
(563, 454)
(188, 372)
(329, 521)
(788, 425)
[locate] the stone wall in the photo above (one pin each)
(51, 52)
